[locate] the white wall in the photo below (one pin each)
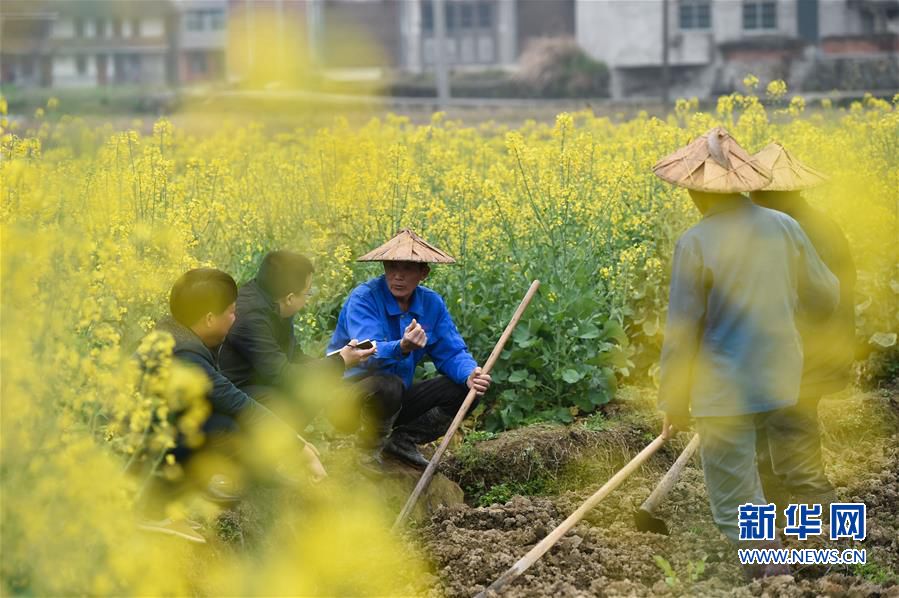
(628, 33)
(152, 27)
(152, 68)
(65, 71)
(621, 34)
(63, 28)
(835, 18)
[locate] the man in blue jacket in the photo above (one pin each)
(407, 322)
(732, 356)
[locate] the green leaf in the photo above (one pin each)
(521, 334)
(563, 415)
(613, 329)
(517, 376)
(584, 403)
(526, 402)
(588, 331)
(571, 376)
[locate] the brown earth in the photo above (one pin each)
(605, 555)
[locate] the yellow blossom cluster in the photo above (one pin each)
(98, 222)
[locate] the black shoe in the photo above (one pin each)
(402, 447)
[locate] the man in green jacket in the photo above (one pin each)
(828, 345)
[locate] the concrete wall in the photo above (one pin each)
(358, 34)
(152, 27)
(621, 34)
(543, 18)
(65, 71)
(836, 18)
(627, 36)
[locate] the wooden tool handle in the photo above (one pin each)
(670, 478)
(431, 469)
(554, 536)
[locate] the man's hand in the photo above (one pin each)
(313, 464)
(353, 356)
(479, 381)
(674, 423)
(414, 337)
(299, 468)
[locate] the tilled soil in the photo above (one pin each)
(606, 556)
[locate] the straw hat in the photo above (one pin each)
(406, 246)
(788, 172)
(714, 163)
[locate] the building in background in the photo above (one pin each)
(201, 36)
(94, 43)
(25, 58)
(103, 42)
(481, 34)
(812, 44)
(713, 44)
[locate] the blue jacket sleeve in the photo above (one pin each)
(683, 329)
(364, 322)
(448, 350)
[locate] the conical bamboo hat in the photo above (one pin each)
(789, 174)
(714, 163)
(406, 246)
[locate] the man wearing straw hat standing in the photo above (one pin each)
(828, 346)
(407, 322)
(732, 355)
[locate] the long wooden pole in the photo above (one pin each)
(554, 536)
(463, 410)
(670, 478)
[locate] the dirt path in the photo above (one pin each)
(605, 555)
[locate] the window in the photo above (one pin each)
(466, 16)
(100, 28)
(450, 11)
(117, 28)
(135, 27)
(204, 20)
(485, 15)
(217, 19)
(79, 28)
(427, 16)
(695, 14)
(759, 15)
(81, 64)
(193, 20)
(460, 15)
